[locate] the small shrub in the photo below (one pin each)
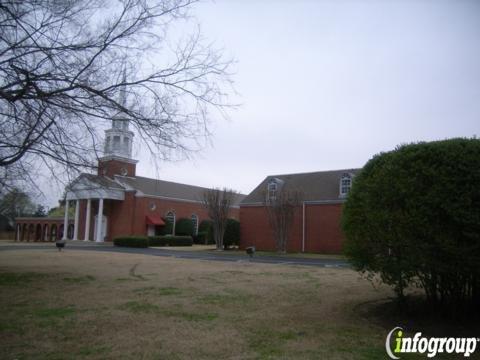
(170, 241)
(232, 233)
(131, 241)
(184, 227)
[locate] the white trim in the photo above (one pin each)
(98, 193)
(87, 220)
(195, 230)
(119, 158)
(324, 202)
(307, 202)
(174, 219)
(141, 194)
(75, 223)
(65, 221)
(99, 237)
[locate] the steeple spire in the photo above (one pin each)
(123, 89)
(118, 139)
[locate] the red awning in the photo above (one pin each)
(155, 220)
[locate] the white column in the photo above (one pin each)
(77, 216)
(65, 221)
(99, 221)
(87, 220)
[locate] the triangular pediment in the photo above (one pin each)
(88, 186)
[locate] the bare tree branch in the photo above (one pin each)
(218, 204)
(61, 65)
(281, 209)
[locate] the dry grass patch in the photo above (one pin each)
(92, 305)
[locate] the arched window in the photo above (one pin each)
(170, 217)
(345, 184)
(116, 143)
(195, 224)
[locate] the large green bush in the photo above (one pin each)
(232, 233)
(184, 226)
(131, 241)
(413, 216)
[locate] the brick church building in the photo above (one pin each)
(316, 222)
(117, 202)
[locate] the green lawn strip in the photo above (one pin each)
(20, 279)
(268, 343)
(161, 291)
(138, 307)
(276, 254)
(79, 279)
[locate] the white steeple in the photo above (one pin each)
(118, 139)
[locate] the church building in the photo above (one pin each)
(116, 202)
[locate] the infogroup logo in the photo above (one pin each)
(431, 346)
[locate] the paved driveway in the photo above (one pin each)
(196, 255)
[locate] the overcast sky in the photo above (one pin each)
(327, 84)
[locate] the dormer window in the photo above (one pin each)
(345, 184)
(272, 189)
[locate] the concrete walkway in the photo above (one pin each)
(180, 254)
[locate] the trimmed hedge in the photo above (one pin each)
(131, 241)
(144, 241)
(170, 241)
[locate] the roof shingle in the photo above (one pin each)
(315, 186)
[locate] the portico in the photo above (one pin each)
(94, 190)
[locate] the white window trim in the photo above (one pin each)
(174, 219)
(195, 229)
(350, 178)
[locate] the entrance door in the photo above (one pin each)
(151, 230)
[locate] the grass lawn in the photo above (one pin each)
(274, 253)
(79, 305)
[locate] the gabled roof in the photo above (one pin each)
(166, 189)
(97, 181)
(315, 186)
(88, 186)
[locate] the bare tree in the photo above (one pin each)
(16, 203)
(281, 210)
(61, 78)
(218, 203)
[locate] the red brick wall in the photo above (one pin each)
(323, 233)
(114, 167)
(322, 229)
(128, 217)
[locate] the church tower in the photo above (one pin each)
(117, 159)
